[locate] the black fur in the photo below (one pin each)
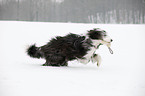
(60, 50)
(34, 52)
(96, 34)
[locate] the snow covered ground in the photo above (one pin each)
(121, 74)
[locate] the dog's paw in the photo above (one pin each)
(96, 58)
(99, 60)
(98, 64)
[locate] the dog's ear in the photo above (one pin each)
(95, 30)
(90, 31)
(94, 34)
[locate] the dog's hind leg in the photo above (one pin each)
(64, 63)
(96, 58)
(55, 60)
(50, 64)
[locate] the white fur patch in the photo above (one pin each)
(107, 39)
(84, 61)
(90, 52)
(98, 59)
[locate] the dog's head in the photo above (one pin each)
(101, 35)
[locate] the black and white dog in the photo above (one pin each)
(60, 50)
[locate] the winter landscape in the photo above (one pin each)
(121, 73)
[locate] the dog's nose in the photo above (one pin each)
(111, 40)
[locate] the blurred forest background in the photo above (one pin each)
(76, 11)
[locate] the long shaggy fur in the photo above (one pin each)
(34, 52)
(60, 50)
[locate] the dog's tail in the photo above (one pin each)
(34, 52)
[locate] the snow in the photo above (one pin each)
(121, 74)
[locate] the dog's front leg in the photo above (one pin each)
(84, 60)
(96, 58)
